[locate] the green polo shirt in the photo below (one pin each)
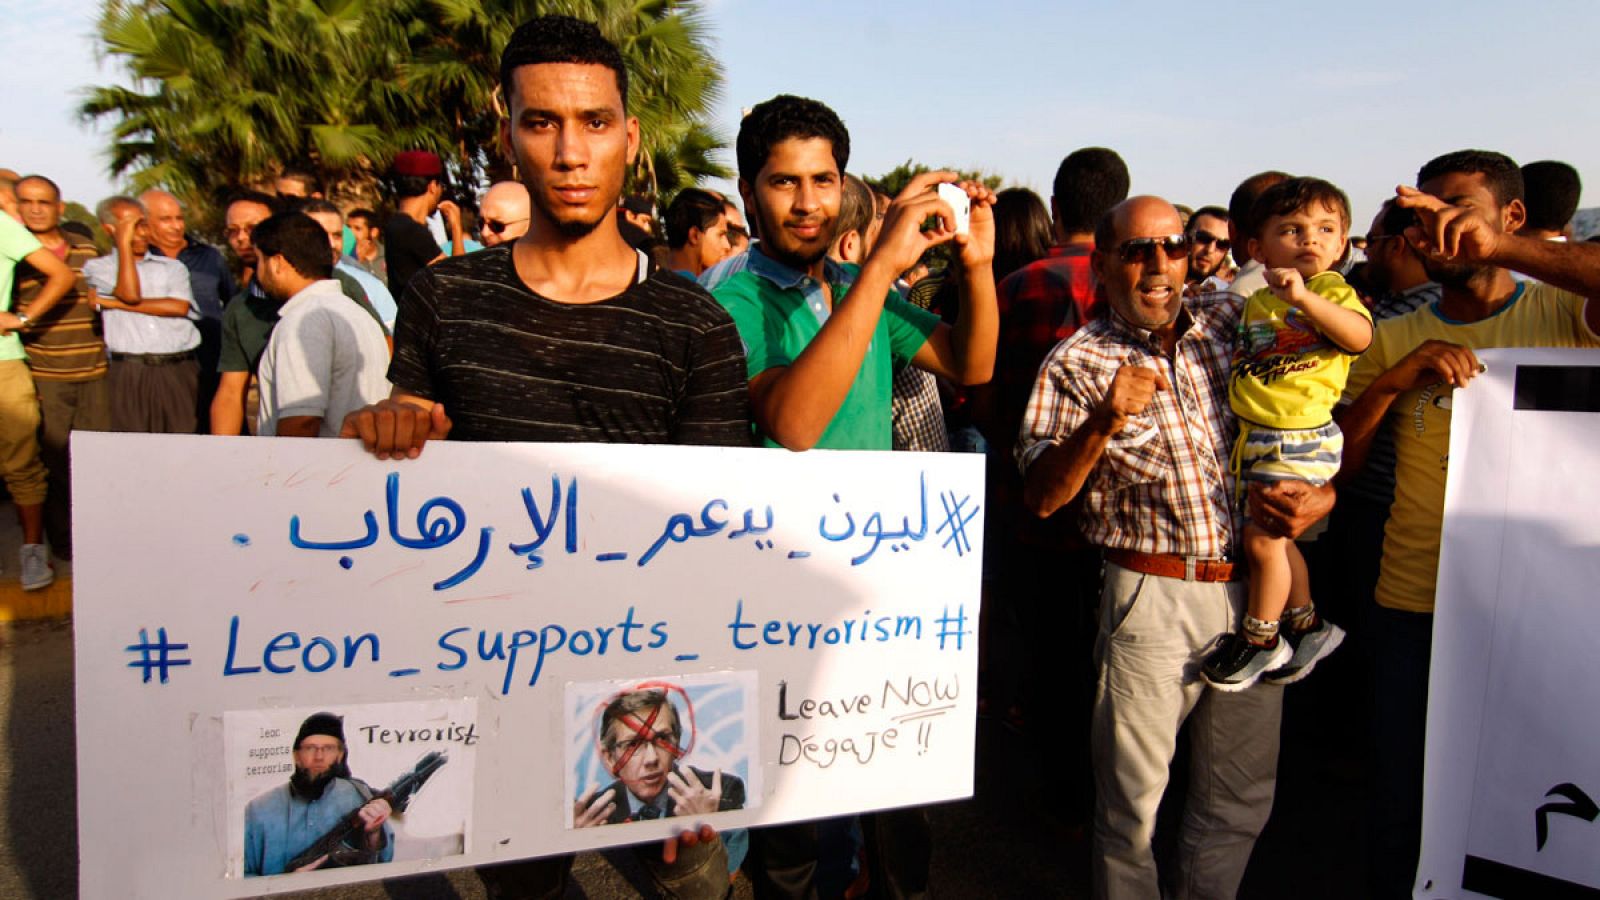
(16, 244)
(778, 310)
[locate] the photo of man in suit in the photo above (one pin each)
(640, 741)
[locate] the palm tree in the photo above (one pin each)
(226, 94)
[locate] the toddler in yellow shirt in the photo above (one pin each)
(1297, 339)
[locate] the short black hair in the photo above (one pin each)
(1394, 220)
(259, 198)
(692, 208)
(365, 215)
(783, 117)
(1215, 212)
(1244, 197)
(560, 39)
(297, 238)
(309, 205)
(1294, 194)
(311, 183)
(1550, 191)
(54, 188)
(1500, 172)
(1089, 182)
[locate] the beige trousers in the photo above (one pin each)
(1154, 634)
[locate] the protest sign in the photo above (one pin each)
(1513, 747)
(507, 638)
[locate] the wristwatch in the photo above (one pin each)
(22, 321)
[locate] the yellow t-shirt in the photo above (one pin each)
(1538, 315)
(1286, 374)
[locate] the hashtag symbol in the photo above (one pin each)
(157, 655)
(952, 626)
(956, 517)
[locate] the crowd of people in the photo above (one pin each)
(1168, 398)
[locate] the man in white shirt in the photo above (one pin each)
(149, 315)
(327, 357)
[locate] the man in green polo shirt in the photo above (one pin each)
(823, 340)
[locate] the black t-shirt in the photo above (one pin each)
(409, 246)
(660, 363)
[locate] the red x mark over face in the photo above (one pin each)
(645, 736)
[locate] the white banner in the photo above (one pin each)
(529, 649)
(1513, 747)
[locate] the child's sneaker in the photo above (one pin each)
(1310, 646)
(1236, 663)
(36, 570)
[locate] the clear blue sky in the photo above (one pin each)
(1193, 95)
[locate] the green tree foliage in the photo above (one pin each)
(895, 180)
(227, 93)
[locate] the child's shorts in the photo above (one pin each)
(1273, 454)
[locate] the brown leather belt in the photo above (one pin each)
(1169, 565)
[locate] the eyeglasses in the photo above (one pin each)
(1142, 250)
(317, 749)
(1205, 237)
(500, 227)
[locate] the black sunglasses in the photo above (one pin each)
(500, 227)
(1142, 250)
(1205, 237)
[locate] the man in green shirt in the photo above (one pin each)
(822, 340)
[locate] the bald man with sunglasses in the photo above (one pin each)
(1132, 413)
(503, 215)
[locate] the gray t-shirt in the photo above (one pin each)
(327, 357)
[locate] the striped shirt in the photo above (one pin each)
(1375, 482)
(66, 344)
(659, 363)
(1163, 484)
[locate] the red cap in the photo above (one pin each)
(418, 162)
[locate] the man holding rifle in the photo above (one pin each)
(284, 821)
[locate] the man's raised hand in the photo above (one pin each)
(590, 810)
(902, 241)
(1132, 389)
(977, 245)
(691, 797)
(1445, 232)
(396, 429)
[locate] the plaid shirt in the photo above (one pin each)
(918, 416)
(1040, 305)
(1163, 484)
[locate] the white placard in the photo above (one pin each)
(812, 617)
(1513, 746)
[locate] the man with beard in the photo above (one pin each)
(250, 317)
(641, 739)
(1469, 209)
(285, 821)
(823, 340)
(565, 334)
(1209, 244)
